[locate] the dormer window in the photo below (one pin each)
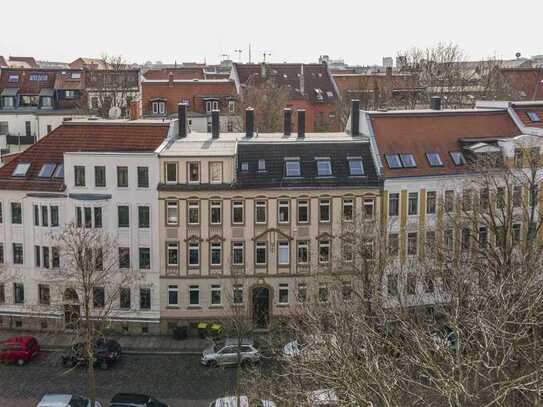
(408, 161)
(393, 161)
(434, 159)
(59, 171)
(457, 157)
(46, 101)
(324, 167)
(261, 165)
(159, 107)
(292, 167)
(13, 78)
(212, 105)
(69, 94)
(244, 166)
(21, 170)
(47, 170)
(534, 117)
(76, 75)
(356, 167)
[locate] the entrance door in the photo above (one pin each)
(261, 307)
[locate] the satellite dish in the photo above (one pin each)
(517, 55)
(115, 112)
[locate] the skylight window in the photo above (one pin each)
(356, 167)
(434, 159)
(13, 78)
(393, 160)
(293, 168)
(47, 170)
(408, 161)
(59, 172)
(534, 117)
(457, 157)
(21, 170)
(324, 168)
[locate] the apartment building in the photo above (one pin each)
(93, 174)
(250, 223)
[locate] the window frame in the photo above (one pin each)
(283, 247)
(237, 205)
(327, 163)
(393, 161)
(431, 156)
(96, 176)
(170, 205)
(282, 204)
(193, 246)
(303, 203)
(215, 246)
(261, 245)
(190, 165)
(122, 172)
(408, 160)
(143, 171)
(193, 206)
(351, 167)
(238, 246)
(217, 205)
(325, 203)
(261, 203)
(297, 169)
(167, 174)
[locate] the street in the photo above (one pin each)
(176, 379)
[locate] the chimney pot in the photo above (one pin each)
(355, 117)
(435, 103)
(215, 124)
(301, 123)
(249, 122)
(287, 123)
(182, 120)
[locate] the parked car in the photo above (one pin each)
(65, 400)
(310, 347)
(243, 402)
(106, 352)
(231, 351)
(19, 349)
(135, 400)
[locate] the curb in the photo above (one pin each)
(131, 352)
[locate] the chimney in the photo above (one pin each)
(355, 117)
(435, 103)
(287, 123)
(263, 71)
(388, 71)
(134, 109)
(181, 120)
(302, 80)
(301, 123)
(249, 122)
(215, 124)
(170, 79)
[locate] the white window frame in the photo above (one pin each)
(302, 244)
(264, 246)
(304, 203)
(214, 246)
(191, 247)
(189, 166)
(238, 246)
(236, 205)
(172, 246)
(324, 244)
(326, 169)
(297, 168)
(347, 202)
(356, 167)
(215, 288)
(282, 288)
(212, 179)
(171, 181)
(215, 204)
(170, 205)
(283, 248)
(283, 203)
(194, 288)
(323, 203)
(173, 289)
(191, 206)
(261, 204)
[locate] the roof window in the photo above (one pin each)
(13, 78)
(59, 172)
(408, 161)
(21, 169)
(393, 160)
(534, 117)
(47, 170)
(324, 167)
(434, 159)
(356, 167)
(293, 168)
(457, 157)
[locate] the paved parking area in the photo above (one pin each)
(176, 379)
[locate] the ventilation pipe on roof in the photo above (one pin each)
(215, 124)
(435, 103)
(287, 122)
(181, 120)
(249, 122)
(355, 117)
(301, 123)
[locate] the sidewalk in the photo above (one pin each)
(135, 344)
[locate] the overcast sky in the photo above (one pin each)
(358, 31)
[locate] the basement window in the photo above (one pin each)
(21, 170)
(408, 160)
(393, 160)
(434, 159)
(534, 117)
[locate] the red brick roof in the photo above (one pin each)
(64, 80)
(522, 112)
(25, 85)
(27, 60)
(178, 73)
(80, 137)
(421, 132)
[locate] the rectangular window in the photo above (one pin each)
(534, 194)
(283, 294)
(193, 209)
(324, 251)
(466, 238)
(324, 168)
(392, 284)
(97, 217)
(216, 253)
(16, 213)
(44, 294)
(37, 256)
(302, 293)
(261, 212)
(283, 211)
(238, 294)
(303, 211)
(18, 253)
(124, 257)
(54, 216)
(517, 196)
(412, 243)
(467, 200)
(45, 251)
(79, 173)
(173, 296)
(171, 213)
(88, 217)
(261, 256)
(323, 292)
(500, 197)
(237, 212)
(393, 204)
(431, 202)
(393, 161)
(413, 203)
(1, 213)
(369, 207)
(194, 254)
(36, 215)
(1, 253)
(483, 237)
(145, 258)
(194, 295)
(302, 256)
(216, 212)
(79, 216)
(143, 177)
(516, 233)
(238, 253)
(145, 298)
(283, 253)
(194, 172)
(324, 210)
(449, 201)
(123, 216)
(98, 297)
(348, 210)
(434, 159)
(2, 293)
(411, 284)
(216, 295)
(484, 198)
(124, 298)
(99, 176)
(408, 161)
(356, 167)
(457, 158)
(292, 168)
(215, 172)
(55, 257)
(19, 293)
(143, 217)
(171, 173)
(261, 165)
(430, 241)
(122, 177)
(173, 254)
(347, 251)
(45, 215)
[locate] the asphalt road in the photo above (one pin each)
(176, 379)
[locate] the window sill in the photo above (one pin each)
(194, 307)
(172, 307)
(218, 306)
(282, 305)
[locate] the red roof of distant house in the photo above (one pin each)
(423, 132)
(3, 62)
(30, 61)
(65, 80)
(524, 111)
(24, 82)
(176, 73)
(80, 137)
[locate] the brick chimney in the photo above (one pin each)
(287, 122)
(301, 123)
(249, 122)
(215, 123)
(134, 110)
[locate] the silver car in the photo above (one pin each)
(65, 400)
(230, 352)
